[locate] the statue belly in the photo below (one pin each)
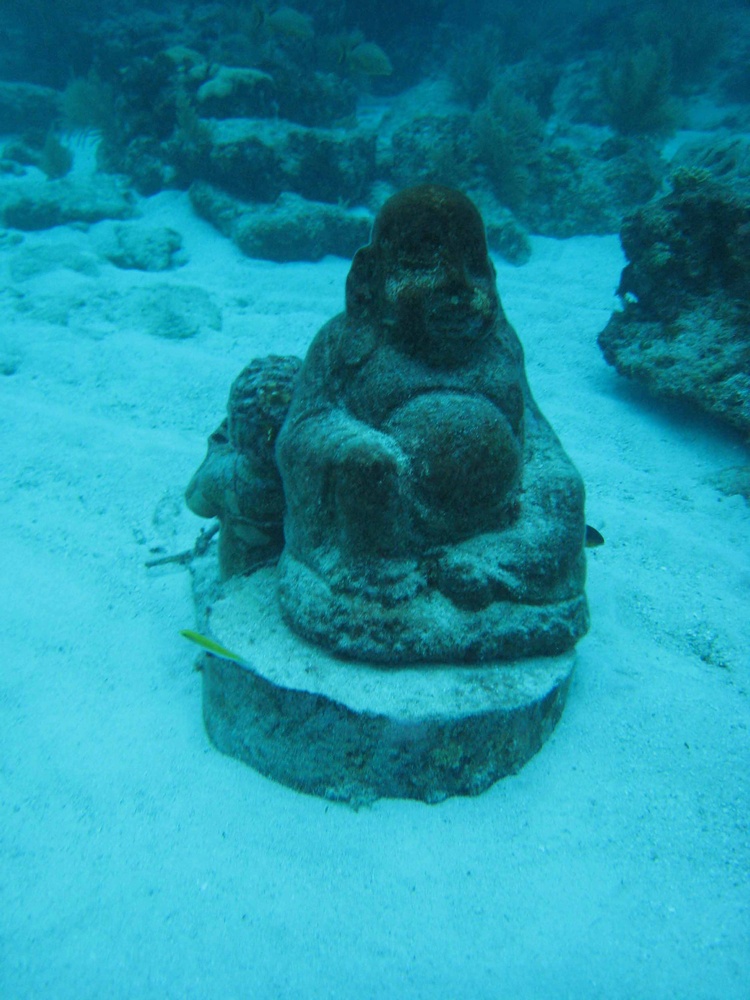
(465, 462)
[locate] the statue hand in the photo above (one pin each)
(369, 467)
(368, 494)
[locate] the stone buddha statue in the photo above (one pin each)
(430, 514)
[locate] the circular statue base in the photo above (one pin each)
(354, 731)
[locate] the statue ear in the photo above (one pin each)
(363, 284)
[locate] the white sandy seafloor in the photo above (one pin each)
(139, 862)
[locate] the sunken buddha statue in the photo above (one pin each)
(421, 506)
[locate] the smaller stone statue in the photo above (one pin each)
(238, 482)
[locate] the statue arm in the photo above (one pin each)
(336, 468)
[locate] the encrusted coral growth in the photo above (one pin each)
(685, 326)
(692, 244)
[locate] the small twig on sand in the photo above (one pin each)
(183, 558)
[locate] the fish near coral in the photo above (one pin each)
(594, 538)
(285, 21)
(366, 58)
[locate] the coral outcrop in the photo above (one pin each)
(684, 329)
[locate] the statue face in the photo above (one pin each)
(438, 297)
(427, 270)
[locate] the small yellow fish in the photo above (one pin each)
(366, 58)
(210, 646)
(286, 21)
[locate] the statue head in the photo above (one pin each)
(426, 275)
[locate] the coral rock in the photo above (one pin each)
(684, 329)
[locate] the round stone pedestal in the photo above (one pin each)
(357, 732)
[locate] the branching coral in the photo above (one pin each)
(88, 105)
(693, 33)
(474, 65)
(635, 88)
(507, 132)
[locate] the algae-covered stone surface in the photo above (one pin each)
(432, 514)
